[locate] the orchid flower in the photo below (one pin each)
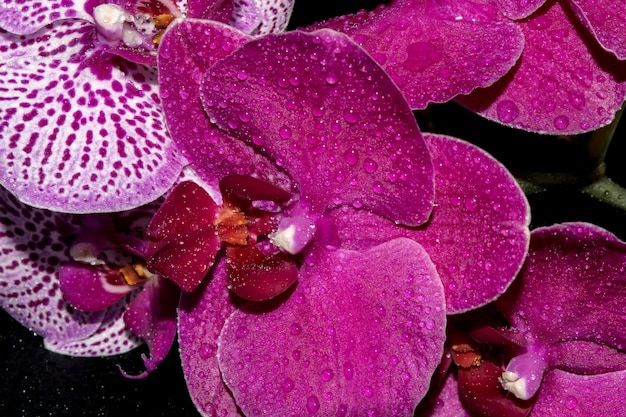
(436, 50)
(81, 285)
(563, 349)
(315, 135)
(565, 81)
(82, 127)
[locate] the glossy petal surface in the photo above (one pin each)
(352, 339)
(187, 50)
(606, 21)
(80, 131)
(260, 17)
(327, 113)
(32, 252)
(564, 83)
(111, 338)
(152, 316)
(518, 9)
(435, 50)
(570, 395)
(581, 267)
(478, 203)
(23, 16)
(201, 317)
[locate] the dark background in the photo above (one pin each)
(35, 382)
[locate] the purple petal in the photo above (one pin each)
(80, 130)
(448, 403)
(605, 20)
(571, 287)
(436, 50)
(563, 84)
(519, 9)
(86, 288)
(569, 395)
(362, 334)
(111, 338)
(187, 49)
(32, 252)
(332, 118)
(479, 204)
(211, 305)
(24, 16)
(152, 316)
(260, 17)
(583, 357)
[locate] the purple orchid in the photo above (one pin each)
(563, 350)
(312, 118)
(82, 127)
(564, 82)
(436, 50)
(81, 285)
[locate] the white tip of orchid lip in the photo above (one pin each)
(86, 253)
(515, 385)
(109, 19)
(293, 234)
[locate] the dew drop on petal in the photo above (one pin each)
(332, 78)
(327, 374)
(285, 132)
(369, 165)
(561, 122)
(351, 157)
(312, 404)
(350, 116)
(348, 371)
(507, 111)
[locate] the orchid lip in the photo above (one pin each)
(524, 373)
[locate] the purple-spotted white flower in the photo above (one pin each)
(562, 350)
(81, 125)
(314, 116)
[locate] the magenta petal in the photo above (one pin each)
(448, 403)
(86, 288)
(362, 334)
(81, 131)
(569, 395)
(479, 204)
(23, 16)
(345, 135)
(211, 305)
(187, 50)
(564, 83)
(580, 267)
(605, 20)
(435, 51)
(518, 9)
(152, 316)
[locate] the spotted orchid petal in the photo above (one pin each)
(152, 316)
(563, 83)
(111, 338)
(436, 50)
(187, 49)
(477, 202)
(606, 21)
(327, 114)
(571, 395)
(260, 17)
(351, 339)
(24, 17)
(201, 316)
(80, 131)
(581, 267)
(519, 9)
(32, 253)
(88, 289)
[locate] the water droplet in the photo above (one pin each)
(561, 122)
(571, 402)
(369, 165)
(312, 404)
(350, 116)
(576, 99)
(241, 332)
(378, 187)
(507, 111)
(393, 360)
(348, 371)
(367, 392)
(295, 329)
(327, 374)
(285, 132)
(241, 76)
(331, 79)
(342, 410)
(471, 204)
(351, 157)
(288, 384)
